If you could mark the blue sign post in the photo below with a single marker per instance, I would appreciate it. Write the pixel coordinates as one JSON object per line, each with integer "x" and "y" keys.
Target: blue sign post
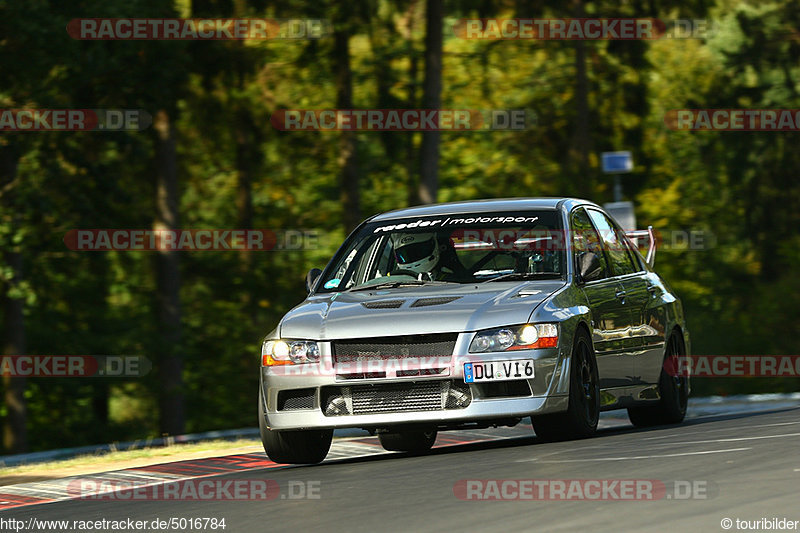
{"x": 617, "y": 163}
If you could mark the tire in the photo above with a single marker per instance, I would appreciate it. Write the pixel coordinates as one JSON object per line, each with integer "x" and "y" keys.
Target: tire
{"x": 674, "y": 391}
{"x": 408, "y": 441}
{"x": 293, "y": 447}
{"x": 581, "y": 417}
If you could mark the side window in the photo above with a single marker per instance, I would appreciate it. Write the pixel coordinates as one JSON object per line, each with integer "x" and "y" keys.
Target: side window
{"x": 585, "y": 238}
{"x": 354, "y": 268}
{"x": 370, "y": 264}
{"x": 638, "y": 260}
{"x": 621, "y": 263}
{"x": 384, "y": 260}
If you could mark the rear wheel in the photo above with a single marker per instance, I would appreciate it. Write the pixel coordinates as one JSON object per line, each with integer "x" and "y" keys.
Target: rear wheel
{"x": 293, "y": 447}
{"x": 673, "y": 389}
{"x": 581, "y": 417}
{"x": 408, "y": 441}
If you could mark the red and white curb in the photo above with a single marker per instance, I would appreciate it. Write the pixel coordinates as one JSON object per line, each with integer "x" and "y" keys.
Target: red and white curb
{"x": 56, "y": 490}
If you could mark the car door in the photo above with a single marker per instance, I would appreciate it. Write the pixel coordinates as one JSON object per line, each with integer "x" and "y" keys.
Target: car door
{"x": 630, "y": 293}
{"x": 610, "y": 316}
{"x": 645, "y": 293}
{"x": 649, "y": 307}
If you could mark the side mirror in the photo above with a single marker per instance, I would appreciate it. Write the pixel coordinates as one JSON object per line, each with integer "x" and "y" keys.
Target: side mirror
{"x": 589, "y": 267}
{"x": 311, "y": 278}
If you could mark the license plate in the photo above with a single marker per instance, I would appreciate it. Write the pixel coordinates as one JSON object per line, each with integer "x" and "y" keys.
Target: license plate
{"x": 498, "y": 370}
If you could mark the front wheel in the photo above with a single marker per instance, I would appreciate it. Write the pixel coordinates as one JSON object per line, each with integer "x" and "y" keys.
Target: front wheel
{"x": 581, "y": 417}
{"x": 408, "y": 441}
{"x": 673, "y": 389}
{"x": 296, "y": 446}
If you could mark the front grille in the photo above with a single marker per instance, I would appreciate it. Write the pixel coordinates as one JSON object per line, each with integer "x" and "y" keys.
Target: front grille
{"x": 395, "y": 398}
{"x": 400, "y": 347}
{"x": 290, "y": 400}
{"x": 361, "y": 375}
{"x": 421, "y": 372}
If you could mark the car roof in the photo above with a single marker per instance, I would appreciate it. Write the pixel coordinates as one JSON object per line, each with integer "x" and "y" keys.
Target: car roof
{"x": 483, "y": 206}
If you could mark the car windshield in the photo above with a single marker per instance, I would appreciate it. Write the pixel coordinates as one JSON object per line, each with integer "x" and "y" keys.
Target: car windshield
{"x": 468, "y": 248}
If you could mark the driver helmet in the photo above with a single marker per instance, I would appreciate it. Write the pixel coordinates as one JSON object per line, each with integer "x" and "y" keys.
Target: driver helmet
{"x": 417, "y": 252}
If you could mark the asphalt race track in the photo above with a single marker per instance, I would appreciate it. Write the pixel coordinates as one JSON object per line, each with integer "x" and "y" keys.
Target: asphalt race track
{"x": 740, "y": 465}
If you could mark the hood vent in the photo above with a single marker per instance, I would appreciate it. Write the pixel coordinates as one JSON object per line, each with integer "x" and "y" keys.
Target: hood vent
{"x": 426, "y": 302}
{"x": 383, "y": 304}
{"x": 527, "y": 292}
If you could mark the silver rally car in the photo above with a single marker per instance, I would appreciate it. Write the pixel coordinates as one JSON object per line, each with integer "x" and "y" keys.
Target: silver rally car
{"x": 470, "y": 315}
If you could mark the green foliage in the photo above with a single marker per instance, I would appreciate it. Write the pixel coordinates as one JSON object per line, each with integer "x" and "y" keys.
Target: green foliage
{"x": 740, "y": 296}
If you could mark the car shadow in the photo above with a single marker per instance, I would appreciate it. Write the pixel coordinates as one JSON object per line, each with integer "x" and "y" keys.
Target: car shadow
{"x": 518, "y": 441}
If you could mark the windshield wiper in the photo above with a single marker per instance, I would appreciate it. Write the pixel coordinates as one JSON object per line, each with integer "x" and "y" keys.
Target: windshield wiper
{"x": 525, "y": 275}
{"x": 390, "y": 285}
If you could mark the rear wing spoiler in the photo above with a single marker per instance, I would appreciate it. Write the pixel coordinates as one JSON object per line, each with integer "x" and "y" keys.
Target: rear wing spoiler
{"x": 637, "y": 234}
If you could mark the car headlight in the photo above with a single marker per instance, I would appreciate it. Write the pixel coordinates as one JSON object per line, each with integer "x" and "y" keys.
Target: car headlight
{"x": 287, "y": 352}
{"x": 524, "y": 337}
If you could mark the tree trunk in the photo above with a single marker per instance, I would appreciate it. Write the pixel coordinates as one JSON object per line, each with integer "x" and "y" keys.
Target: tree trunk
{"x": 244, "y": 168}
{"x": 171, "y": 401}
{"x": 244, "y": 133}
{"x": 431, "y": 99}
{"x": 98, "y": 267}
{"x": 411, "y": 153}
{"x": 581, "y": 140}
{"x": 15, "y": 430}
{"x": 348, "y": 148}
{"x": 412, "y": 187}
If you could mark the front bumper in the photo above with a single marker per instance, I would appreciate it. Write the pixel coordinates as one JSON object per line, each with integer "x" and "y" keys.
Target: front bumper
{"x": 298, "y": 396}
